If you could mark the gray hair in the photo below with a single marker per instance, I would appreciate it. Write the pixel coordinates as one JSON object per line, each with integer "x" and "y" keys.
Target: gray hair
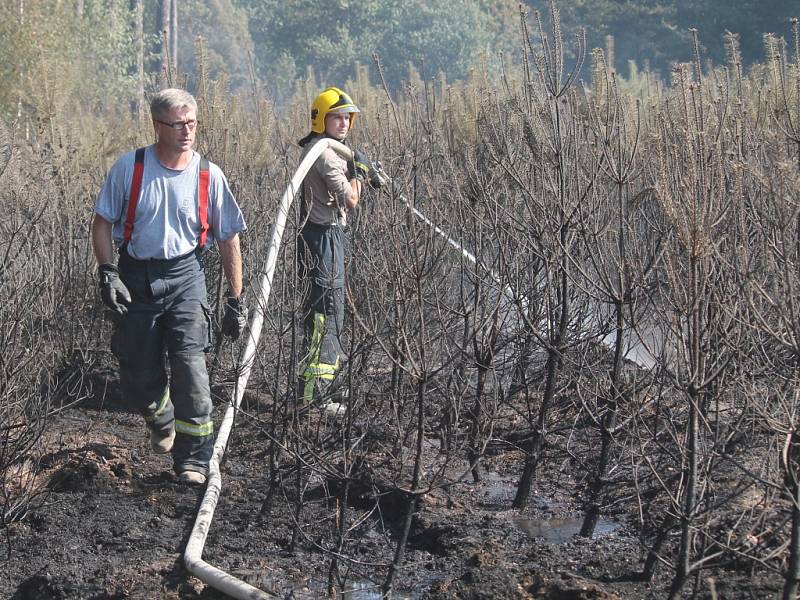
{"x": 165, "y": 100}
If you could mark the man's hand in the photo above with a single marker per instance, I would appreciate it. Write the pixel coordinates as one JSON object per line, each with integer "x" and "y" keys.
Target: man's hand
{"x": 113, "y": 292}
{"x": 234, "y": 320}
{"x": 361, "y": 167}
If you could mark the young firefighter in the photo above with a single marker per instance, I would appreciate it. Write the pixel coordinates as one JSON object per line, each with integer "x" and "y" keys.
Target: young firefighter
{"x": 162, "y": 206}
{"x": 331, "y": 188}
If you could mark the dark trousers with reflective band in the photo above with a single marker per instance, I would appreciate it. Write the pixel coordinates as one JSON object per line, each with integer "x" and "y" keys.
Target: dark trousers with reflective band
{"x": 168, "y": 321}
{"x": 322, "y": 252}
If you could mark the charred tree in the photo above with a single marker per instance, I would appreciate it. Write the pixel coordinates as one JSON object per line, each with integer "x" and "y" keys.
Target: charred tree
{"x": 165, "y": 20}
{"x": 137, "y": 69}
{"x": 555, "y": 241}
{"x": 173, "y": 35}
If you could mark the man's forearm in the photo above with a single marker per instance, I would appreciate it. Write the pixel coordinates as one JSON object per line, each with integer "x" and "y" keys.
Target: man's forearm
{"x": 356, "y": 187}
{"x": 101, "y": 240}
{"x": 232, "y": 264}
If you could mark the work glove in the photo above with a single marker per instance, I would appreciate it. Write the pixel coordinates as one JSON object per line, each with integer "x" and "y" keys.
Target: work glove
{"x": 113, "y": 292}
{"x": 362, "y": 168}
{"x": 234, "y": 320}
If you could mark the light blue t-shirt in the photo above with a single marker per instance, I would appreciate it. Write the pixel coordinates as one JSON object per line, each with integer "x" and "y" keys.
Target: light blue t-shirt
{"x": 167, "y": 222}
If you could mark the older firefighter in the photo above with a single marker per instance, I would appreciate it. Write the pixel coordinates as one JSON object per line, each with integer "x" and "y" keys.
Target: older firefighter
{"x": 162, "y": 206}
{"x": 330, "y": 190}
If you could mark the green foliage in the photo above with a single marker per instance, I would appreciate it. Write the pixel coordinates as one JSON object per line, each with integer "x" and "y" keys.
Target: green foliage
{"x": 228, "y": 49}
{"x": 52, "y": 57}
{"x": 333, "y": 37}
{"x": 656, "y": 33}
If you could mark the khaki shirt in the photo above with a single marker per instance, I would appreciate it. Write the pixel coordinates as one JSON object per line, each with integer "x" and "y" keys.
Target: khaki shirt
{"x": 326, "y": 189}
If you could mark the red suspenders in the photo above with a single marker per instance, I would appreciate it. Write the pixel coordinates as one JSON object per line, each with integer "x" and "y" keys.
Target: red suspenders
{"x": 205, "y": 179}
{"x": 136, "y": 184}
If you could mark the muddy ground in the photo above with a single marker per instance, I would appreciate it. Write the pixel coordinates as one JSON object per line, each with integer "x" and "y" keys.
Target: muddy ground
{"x": 115, "y": 522}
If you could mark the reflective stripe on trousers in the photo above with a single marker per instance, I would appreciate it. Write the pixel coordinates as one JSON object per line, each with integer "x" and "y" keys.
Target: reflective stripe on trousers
{"x": 317, "y": 369}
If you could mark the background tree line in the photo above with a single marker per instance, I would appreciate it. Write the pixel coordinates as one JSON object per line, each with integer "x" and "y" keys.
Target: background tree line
{"x": 101, "y": 52}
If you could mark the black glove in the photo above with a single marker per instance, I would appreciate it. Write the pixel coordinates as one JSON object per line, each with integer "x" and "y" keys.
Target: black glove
{"x": 361, "y": 165}
{"x": 113, "y": 292}
{"x": 362, "y": 168}
{"x": 234, "y": 320}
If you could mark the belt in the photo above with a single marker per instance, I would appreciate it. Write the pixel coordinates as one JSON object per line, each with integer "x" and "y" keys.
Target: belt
{"x": 196, "y": 252}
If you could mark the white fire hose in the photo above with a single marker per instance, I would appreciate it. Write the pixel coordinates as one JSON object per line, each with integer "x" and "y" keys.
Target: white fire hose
{"x": 216, "y": 578}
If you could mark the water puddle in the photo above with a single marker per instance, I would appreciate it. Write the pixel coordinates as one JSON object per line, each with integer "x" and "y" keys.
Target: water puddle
{"x": 560, "y": 531}
{"x": 357, "y": 589}
{"x": 367, "y": 590}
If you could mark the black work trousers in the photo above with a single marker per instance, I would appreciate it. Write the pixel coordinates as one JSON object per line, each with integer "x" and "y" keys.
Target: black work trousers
{"x": 322, "y": 253}
{"x": 168, "y": 321}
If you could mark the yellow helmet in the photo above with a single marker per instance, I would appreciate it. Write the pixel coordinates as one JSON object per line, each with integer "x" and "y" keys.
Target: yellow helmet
{"x": 332, "y": 100}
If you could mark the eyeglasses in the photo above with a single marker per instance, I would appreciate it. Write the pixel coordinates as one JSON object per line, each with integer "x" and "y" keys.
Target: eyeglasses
{"x": 178, "y": 125}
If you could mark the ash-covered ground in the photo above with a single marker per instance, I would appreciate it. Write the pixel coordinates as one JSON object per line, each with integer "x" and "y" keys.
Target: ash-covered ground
{"x": 114, "y": 524}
